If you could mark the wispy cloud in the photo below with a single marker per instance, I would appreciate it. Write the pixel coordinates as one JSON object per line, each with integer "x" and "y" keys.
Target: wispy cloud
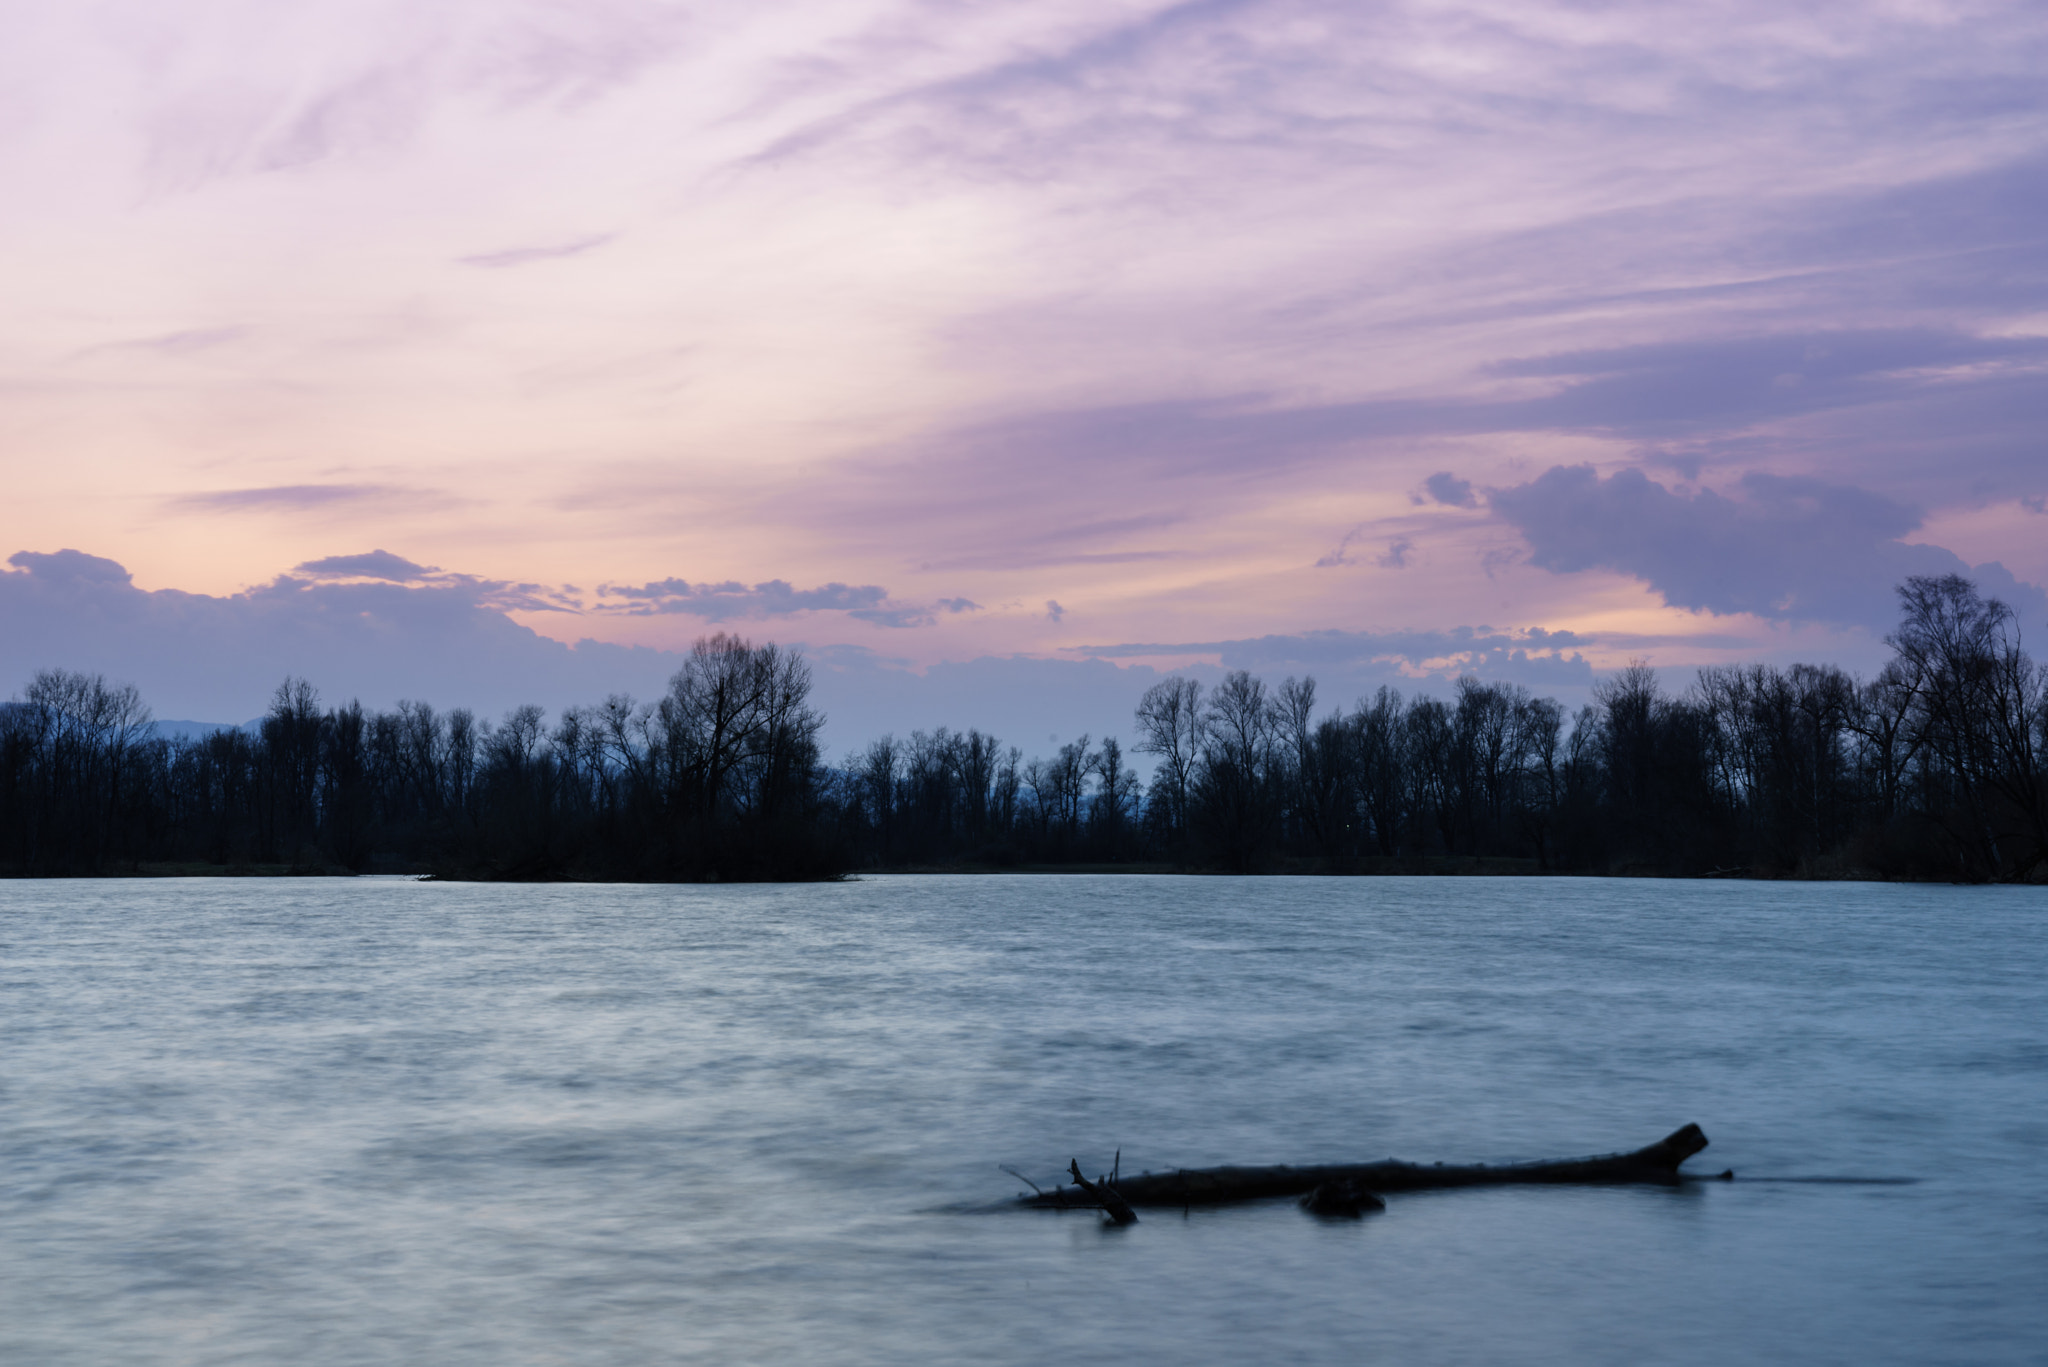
{"x": 1533, "y": 654}
{"x": 1342, "y": 554}
{"x": 526, "y": 256}
{"x": 1394, "y": 557}
{"x": 186, "y": 342}
{"x": 342, "y": 83}
{"x": 383, "y": 567}
{"x": 773, "y": 598}
{"x": 369, "y": 565}
{"x": 297, "y": 497}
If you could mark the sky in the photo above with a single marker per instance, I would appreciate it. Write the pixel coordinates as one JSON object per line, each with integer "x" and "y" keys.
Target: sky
{"x": 1007, "y": 358}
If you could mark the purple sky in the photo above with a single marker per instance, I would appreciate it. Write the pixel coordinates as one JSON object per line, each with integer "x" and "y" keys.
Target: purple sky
{"x": 1007, "y": 356}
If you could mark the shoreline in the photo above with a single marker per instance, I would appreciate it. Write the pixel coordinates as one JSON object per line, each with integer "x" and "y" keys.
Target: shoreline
{"x": 1403, "y": 866}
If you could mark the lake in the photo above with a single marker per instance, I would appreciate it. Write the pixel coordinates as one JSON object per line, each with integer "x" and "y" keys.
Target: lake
{"x": 372, "y": 1121}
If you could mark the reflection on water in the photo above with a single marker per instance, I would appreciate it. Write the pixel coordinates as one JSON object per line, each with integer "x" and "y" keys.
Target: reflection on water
{"x": 371, "y": 1121}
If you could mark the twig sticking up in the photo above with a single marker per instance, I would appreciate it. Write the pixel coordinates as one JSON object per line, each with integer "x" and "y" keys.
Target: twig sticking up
{"x": 1022, "y": 1178}
{"x": 1114, "y": 1206}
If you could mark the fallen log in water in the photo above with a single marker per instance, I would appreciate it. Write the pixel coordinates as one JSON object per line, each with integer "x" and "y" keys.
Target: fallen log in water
{"x": 1657, "y": 1163}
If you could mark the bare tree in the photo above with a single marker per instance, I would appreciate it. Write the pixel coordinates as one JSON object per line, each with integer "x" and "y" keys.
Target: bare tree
{"x": 1170, "y": 726}
{"x": 1977, "y": 713}
{"x": 1117, "y": 793}
{"x": 85, "y": 732}
{"x": 1236, "y": 787}
{"x": 1377, "y": 758}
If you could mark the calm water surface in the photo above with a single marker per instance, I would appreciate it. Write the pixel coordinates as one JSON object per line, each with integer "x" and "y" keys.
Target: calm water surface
{"x": 376, "y": 1121}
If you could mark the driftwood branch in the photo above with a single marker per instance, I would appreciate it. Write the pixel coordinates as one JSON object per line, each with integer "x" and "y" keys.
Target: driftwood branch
{"x": 1022, "y": 1178}
{"x": 1656, "y": 1163}
{"x": 1101, "y": 1195}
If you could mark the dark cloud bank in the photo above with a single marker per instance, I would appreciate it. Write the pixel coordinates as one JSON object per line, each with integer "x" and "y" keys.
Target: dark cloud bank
{"x": 1789, "y": 549}
{"x": 379, "y": 627}
{"x": 373, "y": 626}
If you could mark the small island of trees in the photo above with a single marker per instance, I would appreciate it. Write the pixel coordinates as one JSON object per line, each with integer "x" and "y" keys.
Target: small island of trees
{"x": 1930, "y": 770}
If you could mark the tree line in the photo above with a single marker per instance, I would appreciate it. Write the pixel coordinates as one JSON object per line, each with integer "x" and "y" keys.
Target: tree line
{"x": 1931, "y": 769}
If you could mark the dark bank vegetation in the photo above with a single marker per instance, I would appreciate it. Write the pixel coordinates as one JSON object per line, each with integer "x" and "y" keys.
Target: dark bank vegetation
{"x": 720, "y": 778}
{"x": 1932, "y": 769}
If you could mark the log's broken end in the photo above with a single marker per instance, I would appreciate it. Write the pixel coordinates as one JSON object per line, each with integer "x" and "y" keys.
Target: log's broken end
{"x": 1676, "y": 1147}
